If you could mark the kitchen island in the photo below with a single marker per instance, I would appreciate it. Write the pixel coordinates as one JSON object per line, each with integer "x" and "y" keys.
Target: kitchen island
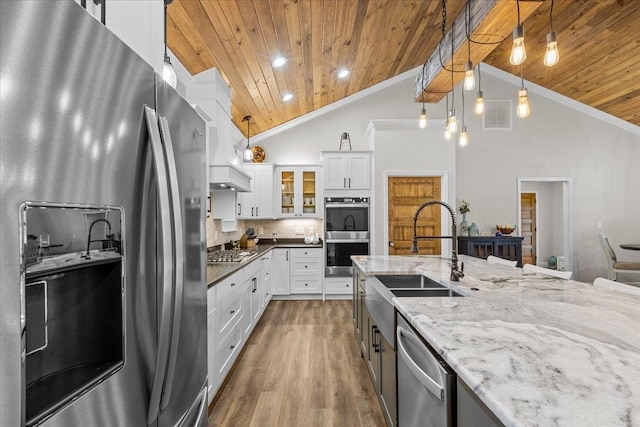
{"x": 535, "y": 349}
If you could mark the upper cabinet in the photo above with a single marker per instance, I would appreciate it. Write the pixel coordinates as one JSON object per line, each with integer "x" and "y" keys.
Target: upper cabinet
{"x": 347, "y": 170}
{"x": 258, "y": 202}
{"x": 299, "y": 194}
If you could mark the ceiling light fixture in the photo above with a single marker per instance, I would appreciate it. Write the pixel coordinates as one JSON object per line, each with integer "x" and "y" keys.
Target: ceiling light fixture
{"x": 518, "y": 51}
{"x": 279, "y": 61}
{"x": 523, "y": 110}
{"x": 447, "y": 132}
{"x": 469, "y": 79}
{"x": 343, "y": 73}
{"x": 453, "y": 122}
{"x": 168, "y": 73}
{"x": 551, "y": 56}
{"x": 464, "y": 137}
{"x": 479, "y": 108}
{"x": 287, "y": 97}
{"x": 422, "y": 123}
{"x": 248, "y": 152}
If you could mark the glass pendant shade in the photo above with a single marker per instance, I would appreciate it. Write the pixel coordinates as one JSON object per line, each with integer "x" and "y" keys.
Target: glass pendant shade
{"x": 423, "y": 119}
{"x": 248, "y": 154}
{"x": 479, "y": 107}
{"x": 551, "y": 56}
{"x": 523, "y": 110}
{"x": 453, "y": 122}
{"x": 464, "y": 137}
{"x": 469, "y": 78}
{"x": 169, "y": 74}
{"x": 518, "y": 51}
{"x": 447, "y": 134}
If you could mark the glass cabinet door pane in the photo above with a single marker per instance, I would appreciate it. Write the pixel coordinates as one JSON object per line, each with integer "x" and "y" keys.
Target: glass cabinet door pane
{"x": 309, "y": 192}
{"x": 287, "y": 199}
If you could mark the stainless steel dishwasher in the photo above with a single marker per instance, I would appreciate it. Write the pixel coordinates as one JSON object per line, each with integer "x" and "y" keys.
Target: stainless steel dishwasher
{"x": 426, "y": 384}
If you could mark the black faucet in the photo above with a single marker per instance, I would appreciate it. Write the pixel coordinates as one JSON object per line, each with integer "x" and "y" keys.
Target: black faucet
{"x": 353, "y": 222}
{"x": 456, "y": 273}
{"x": 109, "y": 235}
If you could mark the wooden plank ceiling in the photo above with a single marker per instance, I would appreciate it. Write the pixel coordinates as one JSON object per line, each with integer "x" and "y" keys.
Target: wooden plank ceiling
{"x": 599, "y": 46}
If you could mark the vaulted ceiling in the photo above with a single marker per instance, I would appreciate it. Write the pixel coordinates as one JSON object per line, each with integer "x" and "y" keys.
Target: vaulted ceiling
{"x": 599, "y": 45}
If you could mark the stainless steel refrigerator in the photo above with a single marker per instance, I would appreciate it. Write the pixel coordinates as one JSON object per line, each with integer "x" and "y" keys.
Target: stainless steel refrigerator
{"x": 103, "y": 240}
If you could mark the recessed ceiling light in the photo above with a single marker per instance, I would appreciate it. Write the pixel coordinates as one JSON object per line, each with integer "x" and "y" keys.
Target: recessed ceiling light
{"x": 343, "y": 73}
{"x": 279, "y": 61}
{"x": 287, "y": 97}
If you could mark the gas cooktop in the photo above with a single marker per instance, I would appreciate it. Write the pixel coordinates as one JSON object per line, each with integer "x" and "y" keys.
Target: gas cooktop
{"x": 230, "y": 255}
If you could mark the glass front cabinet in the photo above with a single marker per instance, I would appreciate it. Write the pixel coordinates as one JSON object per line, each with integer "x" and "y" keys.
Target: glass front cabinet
{"x": 299, "y": 194}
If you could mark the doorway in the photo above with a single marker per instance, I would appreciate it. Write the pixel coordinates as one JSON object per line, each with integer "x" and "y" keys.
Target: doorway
{"x": 528, "y": 228}
{"x": 553, "y": 213}
{"x": 404, "y": 195}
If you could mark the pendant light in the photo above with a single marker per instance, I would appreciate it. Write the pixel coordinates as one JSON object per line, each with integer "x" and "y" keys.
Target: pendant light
{"x": 168, "y": 73}
{"x": 464, "y": 137}
{"x": 469, "y": 79}
{"x": 447, "y": 132}
{"x": 479, "y": 107}
{"x": 552, "y": 55}
{"x": 518, "y": 51}
{"x": 453, "y": 122}
{"x": 248, "y": 152}
{"x": 523, "y": 110}
{"x": 422, "y": 122}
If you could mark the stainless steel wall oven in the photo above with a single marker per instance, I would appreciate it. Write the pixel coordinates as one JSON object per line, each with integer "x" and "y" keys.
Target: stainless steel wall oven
{"x": 346, "y": 233}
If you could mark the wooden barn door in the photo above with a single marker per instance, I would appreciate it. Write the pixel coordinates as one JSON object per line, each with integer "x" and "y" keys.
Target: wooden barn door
{"x": 528, "y": 231}
{"x": 406, "y": 194}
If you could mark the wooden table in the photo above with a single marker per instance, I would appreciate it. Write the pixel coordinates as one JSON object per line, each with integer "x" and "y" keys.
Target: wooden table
{"x": 630, "y": 246}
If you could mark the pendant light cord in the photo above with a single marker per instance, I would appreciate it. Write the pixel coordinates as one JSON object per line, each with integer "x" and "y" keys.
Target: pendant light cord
{"x": 518, "y": 8}
{"x": 165, "y": 32}
{"x": 551, "y": 16}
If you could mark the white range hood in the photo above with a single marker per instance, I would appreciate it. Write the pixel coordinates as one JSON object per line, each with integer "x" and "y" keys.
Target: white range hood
{"x": 228, "y": 177}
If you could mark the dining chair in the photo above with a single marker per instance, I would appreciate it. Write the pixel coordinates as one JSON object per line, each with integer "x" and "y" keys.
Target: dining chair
{"x": 614, "y": 266}
{"x": 529, "y": 268}
{"x": 603, "y": 283}
{"x": 495, "y": 260}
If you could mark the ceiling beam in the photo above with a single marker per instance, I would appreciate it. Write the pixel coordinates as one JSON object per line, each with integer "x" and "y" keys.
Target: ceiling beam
{"x": 491, "y": 22}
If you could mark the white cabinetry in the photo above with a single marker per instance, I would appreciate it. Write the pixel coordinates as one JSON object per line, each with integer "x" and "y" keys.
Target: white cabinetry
{"x": 306, "y": 271}
{"x": 257, "y": 203}
{"x": 280, "y": 278}
{"x": 338, "y": 286}
{"x": 299, "y": 194}
{"x": 265, "y": 278}
{"x": 347, "y": 171}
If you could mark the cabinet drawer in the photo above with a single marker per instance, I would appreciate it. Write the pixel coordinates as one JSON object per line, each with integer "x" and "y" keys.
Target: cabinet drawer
{"x": 299, "y": 253}
{"x": 338, "y": 286}
{"x": 227, "y": 352}
{"x": 227, "y": 315}
{"x": 310, "y": 266}
{"x": 251, "y": 269}
{"x": 228, "y": 286}
{"x": 306, "y": 285}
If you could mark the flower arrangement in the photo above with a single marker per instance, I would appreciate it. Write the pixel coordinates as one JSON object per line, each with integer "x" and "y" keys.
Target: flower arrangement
{"x": 464, "y": 207}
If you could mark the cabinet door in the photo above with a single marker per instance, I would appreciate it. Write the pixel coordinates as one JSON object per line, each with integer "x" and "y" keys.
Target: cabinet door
{"x": 263, "y": 191}
{"x": 211, "y": 351}
{"x": 309, "y": 200}
{"x": 265, "y": 278}
{"x": 246, "y": 199}
{"x": 359, "y": 176}
{"x": 334, "y": 171}
{"x": 287, "y": 181}
{"x": 280, "y": 272}
{"x": 388, "y": 380}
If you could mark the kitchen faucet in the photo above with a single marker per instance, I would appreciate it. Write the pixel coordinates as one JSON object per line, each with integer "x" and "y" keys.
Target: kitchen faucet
{"x": 109, "y": 235}
{"x": 456, "y": 273}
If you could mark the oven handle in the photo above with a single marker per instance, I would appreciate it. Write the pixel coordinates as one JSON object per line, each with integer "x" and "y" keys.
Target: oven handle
{"x": 346, "y": 205}
{"x": 347, "y": 241}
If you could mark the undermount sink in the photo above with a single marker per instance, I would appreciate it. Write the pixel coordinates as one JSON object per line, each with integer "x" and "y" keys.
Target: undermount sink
{"x": 422, "y": 293}
{"x": 409, "y": 281}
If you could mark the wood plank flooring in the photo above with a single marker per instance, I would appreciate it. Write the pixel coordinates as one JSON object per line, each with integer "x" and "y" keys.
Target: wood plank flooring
{"x": 301, "y": 367}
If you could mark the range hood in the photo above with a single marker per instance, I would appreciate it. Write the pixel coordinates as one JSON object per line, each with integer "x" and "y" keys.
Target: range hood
{"x": 228, "y": 177}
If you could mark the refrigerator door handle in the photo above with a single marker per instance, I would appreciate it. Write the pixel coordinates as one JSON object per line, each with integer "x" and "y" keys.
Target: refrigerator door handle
{"x": 178, "y": 259}
{"x": 166, "y": 250}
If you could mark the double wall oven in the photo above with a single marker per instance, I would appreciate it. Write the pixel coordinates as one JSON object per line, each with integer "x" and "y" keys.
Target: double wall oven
{"x": 346, "y": 233}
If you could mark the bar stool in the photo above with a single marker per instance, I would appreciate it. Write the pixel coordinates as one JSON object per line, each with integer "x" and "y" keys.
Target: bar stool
{"x": 529, "y": 268}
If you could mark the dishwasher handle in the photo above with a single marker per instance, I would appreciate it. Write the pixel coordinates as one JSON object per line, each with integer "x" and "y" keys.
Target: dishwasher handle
{"x": 429, "y": 383}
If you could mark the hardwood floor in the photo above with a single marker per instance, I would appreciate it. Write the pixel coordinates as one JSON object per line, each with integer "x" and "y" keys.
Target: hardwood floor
{"x": 301, "y": 367}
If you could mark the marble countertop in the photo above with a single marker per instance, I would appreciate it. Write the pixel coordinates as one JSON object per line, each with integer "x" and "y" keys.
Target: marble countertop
{"x": 218, "y": 271}
{"x": 537, "y": 350}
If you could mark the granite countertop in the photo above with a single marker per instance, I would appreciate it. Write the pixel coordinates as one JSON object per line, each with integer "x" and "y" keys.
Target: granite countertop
{"x": 218, "y": 271}
{"x": 537, "y": 350}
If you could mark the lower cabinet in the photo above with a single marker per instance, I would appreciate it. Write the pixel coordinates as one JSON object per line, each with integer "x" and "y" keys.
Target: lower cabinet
{"x": 234, "y": 306}
{"x": 338, "y": 285}
{"x": 296, "y": 271}
{"x": 280, "y": 272}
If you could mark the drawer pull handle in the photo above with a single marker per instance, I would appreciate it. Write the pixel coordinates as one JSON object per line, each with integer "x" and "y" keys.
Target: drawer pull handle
{"x": 232, "y": 311}
{"x": 306, "y": 266}
{"x": 232, "y": 346}
{"x": 306, "y": 284}
{"x": 233, "y": 284}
